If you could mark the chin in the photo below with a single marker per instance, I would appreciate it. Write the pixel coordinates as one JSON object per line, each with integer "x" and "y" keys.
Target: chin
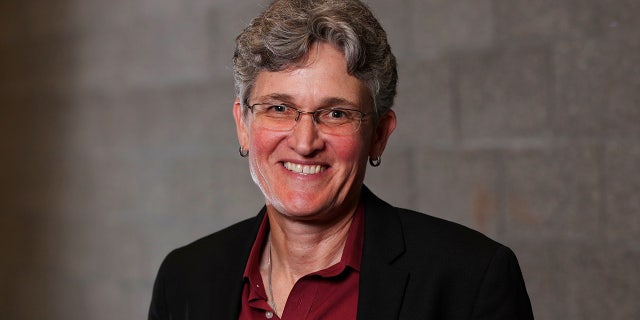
{"x": 300, "y": 208}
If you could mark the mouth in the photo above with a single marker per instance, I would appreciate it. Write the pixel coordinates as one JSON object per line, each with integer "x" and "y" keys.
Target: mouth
{"x": 303, "y": 169}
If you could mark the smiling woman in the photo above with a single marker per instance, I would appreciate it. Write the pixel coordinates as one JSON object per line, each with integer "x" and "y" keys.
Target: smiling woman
{"x": 320, "y": 83}
{"x": 315, "y": 82}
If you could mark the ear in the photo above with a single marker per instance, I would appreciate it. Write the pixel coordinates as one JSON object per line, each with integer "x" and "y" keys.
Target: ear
{"x": 386, "y": 125}
{"x": 241, "y": 125}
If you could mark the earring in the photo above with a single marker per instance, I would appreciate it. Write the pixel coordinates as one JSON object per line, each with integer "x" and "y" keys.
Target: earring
{"x": 243, "y": 153}
{"x": 375, "y": 162}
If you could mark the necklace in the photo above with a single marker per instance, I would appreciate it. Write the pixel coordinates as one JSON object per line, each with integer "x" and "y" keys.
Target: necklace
{"x": 272, "y": 301}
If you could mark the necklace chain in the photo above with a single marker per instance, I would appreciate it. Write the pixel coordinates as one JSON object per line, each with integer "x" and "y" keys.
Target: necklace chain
{"x": 272, "y": 301}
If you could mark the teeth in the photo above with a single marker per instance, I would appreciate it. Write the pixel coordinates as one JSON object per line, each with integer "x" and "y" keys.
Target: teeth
{"x": 303, "y": 169}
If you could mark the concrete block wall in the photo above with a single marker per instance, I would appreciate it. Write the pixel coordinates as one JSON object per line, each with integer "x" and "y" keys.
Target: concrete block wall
{"x": 517, "y": 118}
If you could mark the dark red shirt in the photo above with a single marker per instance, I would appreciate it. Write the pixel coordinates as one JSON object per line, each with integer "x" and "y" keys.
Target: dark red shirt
{"x": 331, "y": 293}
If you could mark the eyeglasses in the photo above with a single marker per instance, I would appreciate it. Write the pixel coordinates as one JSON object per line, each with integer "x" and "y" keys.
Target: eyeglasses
{"x": 280, "y": 117}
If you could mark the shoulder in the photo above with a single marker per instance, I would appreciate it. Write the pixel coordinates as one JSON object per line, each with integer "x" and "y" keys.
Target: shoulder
{"x": 425, "y": 241}
{"x": 426, "y": 229}
{"x": 472, "y": 273}
{"x": 227, "y": 244}
{"x": 420, "y": 233}
{"x": 437, "y": 242}
{"x": 460, "y": 268}
{"x": 206, "y": 270}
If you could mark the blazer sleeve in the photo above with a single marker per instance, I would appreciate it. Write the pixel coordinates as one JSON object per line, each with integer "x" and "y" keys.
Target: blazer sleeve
{"x": 502, "y": 294}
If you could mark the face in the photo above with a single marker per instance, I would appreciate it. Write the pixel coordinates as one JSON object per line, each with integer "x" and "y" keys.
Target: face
{"x": 304, "y": 173}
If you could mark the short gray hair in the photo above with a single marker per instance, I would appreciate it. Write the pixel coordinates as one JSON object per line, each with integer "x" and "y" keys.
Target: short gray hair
{"x": 284, "y": 33}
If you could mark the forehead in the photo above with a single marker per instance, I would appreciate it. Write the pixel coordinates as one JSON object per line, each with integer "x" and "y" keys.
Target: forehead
{"x": 321, "y": 76}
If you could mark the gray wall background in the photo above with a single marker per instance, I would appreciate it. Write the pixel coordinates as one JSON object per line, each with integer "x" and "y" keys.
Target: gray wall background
{"x": 518, "y": 118}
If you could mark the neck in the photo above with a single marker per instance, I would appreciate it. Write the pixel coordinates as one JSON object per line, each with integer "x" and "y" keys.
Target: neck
{"x": 299, "y": 248}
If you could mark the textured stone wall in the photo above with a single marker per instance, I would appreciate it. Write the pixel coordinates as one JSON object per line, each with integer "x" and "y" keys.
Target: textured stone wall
{"x": 520, "y": 119}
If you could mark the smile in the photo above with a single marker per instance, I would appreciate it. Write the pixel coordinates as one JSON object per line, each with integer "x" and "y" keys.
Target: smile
{"x": 304, "y": 169}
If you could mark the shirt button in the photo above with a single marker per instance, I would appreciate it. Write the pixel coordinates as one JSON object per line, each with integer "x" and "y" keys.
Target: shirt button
{"x": 268, "y": 314}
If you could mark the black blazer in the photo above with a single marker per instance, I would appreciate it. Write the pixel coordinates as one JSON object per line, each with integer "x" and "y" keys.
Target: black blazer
{"x": 414, "y": 266}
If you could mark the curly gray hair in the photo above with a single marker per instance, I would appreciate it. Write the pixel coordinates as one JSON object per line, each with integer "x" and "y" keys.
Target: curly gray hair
{"x": 284, "y": 33}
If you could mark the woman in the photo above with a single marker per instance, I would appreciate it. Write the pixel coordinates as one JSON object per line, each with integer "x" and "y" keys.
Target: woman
{"x": 315, "y": 81}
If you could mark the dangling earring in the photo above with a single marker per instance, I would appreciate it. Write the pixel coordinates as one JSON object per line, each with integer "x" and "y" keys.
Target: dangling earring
{"x": 375, "y": 162}
{"x": 243, "y": 153}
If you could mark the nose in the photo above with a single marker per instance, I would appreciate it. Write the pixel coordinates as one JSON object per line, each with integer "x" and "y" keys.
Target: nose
{"x": 304, "y": 137}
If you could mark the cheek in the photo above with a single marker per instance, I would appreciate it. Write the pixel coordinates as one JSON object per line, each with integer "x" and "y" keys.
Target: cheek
{"x": 352, "y": 151}
{"x": 262, "y": 143}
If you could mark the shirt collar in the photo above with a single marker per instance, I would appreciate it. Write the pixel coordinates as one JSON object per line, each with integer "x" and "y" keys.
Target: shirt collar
{"x": 351, "y": 255}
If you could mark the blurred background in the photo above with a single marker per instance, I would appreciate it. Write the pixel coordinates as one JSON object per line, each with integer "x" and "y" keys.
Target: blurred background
{"x": 518, "y": 118}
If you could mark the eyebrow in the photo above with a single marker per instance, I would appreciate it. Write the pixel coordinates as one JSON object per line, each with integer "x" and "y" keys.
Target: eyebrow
{"x": 326, "y": 102}
{"x": 276, "y": 96}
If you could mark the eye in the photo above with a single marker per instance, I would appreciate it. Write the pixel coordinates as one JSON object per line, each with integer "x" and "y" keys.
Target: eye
{"x": 278, "y": 108}
{"x": 337, "y": 114}
{"x": 279, "y": 111}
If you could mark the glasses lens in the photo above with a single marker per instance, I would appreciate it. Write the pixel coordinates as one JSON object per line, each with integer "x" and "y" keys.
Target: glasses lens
{"x": 338, "y": 121}
{"x": 275, "y": 117}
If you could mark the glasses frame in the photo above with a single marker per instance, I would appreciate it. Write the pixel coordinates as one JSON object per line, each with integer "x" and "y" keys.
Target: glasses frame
{"x": 314, "y": 114}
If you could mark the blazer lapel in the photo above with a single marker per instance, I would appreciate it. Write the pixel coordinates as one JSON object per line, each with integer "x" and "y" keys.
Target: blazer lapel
{"x": 227, "y": 293}
{"x": 382, "y": 285}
